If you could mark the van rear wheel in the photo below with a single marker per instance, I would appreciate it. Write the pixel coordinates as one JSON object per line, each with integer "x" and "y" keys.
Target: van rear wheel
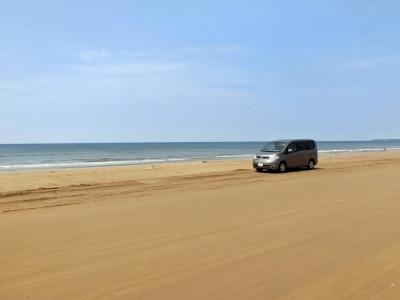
{"x": 310, "y": 164}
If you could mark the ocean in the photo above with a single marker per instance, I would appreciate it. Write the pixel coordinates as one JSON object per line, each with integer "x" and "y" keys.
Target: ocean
{"x": 55, "y": 156}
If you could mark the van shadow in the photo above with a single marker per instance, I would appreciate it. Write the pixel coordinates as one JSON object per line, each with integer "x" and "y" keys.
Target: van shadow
{"x": 292, "y": 170}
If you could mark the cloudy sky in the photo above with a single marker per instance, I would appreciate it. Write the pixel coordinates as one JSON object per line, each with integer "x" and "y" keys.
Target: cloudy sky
{"x": 137, "y": 71}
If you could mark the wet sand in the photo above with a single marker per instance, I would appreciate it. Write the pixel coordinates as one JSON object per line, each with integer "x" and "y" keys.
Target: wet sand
{"x": 215, "y": 230}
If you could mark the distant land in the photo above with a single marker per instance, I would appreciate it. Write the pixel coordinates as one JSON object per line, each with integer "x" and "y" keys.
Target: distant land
{"x": 386, "y": 140}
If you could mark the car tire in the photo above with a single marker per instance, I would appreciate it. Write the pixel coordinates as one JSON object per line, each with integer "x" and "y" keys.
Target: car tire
{"x": 310, "y": 164}
{"x": 259, "y": 170}
{"x": 282, "y": 167}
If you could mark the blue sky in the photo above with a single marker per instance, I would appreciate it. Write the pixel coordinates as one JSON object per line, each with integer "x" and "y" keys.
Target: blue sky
{"x": 133, "y": 71}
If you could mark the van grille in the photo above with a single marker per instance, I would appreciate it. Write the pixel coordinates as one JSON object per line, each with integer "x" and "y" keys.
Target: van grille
{"x": 262, "y": 157}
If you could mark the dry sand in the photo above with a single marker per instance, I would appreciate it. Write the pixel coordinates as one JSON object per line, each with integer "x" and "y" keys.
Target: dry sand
{"x": 214, "y": 230}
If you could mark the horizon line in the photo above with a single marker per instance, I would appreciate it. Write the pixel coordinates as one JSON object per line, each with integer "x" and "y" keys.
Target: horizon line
{"x": 177, "y": 142}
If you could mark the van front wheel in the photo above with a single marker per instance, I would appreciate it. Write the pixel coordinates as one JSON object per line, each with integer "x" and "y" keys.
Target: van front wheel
{"x": 282, "y": 167}
{"x": 310, "y": 164}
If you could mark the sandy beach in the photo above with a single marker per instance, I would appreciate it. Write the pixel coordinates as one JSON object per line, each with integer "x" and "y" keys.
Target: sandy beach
{"x": 203, "y": 230}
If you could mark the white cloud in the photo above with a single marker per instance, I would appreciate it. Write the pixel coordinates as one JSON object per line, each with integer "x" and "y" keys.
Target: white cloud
{"x": 9, "y": 85}
{"x": 131, "y": 68}
{"x": 204, "y": 67}
{"x": 104, "y": 76}
{"x": 109, "y": 55}
{"x": 372, "y": 62}
{"x": 96, "y": 55}
{"x": 210, "y": 50}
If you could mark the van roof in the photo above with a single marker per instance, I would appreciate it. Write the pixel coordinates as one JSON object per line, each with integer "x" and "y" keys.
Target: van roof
{"x": 294, "y": 140}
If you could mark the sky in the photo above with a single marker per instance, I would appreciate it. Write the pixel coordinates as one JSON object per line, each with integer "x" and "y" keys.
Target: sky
{"x": 148, "y": 71}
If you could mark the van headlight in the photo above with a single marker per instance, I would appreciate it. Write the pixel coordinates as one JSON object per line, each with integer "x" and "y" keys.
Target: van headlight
{"x": 274, "y": 157}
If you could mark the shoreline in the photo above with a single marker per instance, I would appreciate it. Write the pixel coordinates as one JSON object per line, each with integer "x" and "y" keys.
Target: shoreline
{"x": 178, "y": 160}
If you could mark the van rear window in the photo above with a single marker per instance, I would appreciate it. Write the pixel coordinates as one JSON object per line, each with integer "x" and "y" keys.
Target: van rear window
{"x": 310, "y": 145}
{"x": 305, "y": 145}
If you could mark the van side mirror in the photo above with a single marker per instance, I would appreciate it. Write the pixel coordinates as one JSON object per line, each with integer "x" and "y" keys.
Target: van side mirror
{"x": 290, "y": 150}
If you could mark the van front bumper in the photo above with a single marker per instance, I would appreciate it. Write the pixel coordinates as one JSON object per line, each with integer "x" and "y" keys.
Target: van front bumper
{"x": 263, "y": 164}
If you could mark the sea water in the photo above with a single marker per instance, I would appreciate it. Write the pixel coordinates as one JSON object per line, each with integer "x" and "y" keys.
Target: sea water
{"x": 55, "y": 156}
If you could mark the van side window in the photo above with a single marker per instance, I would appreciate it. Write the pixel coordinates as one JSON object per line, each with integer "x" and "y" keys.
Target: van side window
{"x": 301, "y": 146}
{"x": 292, "y": 146}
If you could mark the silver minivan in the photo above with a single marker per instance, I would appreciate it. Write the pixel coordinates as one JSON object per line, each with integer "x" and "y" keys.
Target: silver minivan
{"x": 284, "y": 154}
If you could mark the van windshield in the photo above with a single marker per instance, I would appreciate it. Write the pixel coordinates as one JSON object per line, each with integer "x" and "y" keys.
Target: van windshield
{"x": 273, "y": 147}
